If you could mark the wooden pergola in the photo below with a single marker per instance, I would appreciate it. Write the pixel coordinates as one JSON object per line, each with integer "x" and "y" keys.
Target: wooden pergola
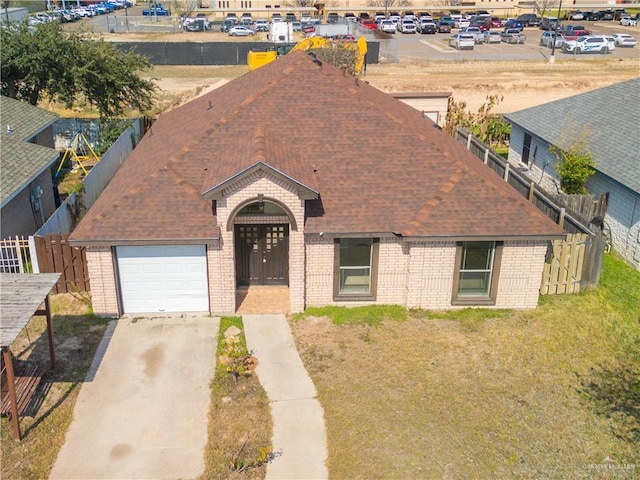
{"x": 20, "y": 298}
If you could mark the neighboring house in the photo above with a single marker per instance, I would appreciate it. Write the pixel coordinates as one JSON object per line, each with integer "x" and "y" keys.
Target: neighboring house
{"x": 609, "y": 120}
{"x": 432, "y": 104}
{"x": 298, "y": 174}
{"x": 26, "y": 158}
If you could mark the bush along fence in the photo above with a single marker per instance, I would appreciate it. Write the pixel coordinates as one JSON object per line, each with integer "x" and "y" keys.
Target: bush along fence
{"x": 572, "y": 264}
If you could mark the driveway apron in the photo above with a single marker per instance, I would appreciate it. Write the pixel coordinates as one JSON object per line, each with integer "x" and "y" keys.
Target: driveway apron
{"x": 142, "y": 411}
{"x": 298, "y": 419}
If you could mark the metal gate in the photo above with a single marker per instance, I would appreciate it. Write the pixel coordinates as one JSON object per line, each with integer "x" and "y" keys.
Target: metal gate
{"x": 262, "y": 254}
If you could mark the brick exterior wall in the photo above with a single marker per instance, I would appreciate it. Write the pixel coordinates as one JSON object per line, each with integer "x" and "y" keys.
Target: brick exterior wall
{"x": 520, "y": 274}
{"x": 411, "y": 274}
{"x": 240, "y": 192}
{"x": 421, "y": 274}
{"x": 104, "y": 296}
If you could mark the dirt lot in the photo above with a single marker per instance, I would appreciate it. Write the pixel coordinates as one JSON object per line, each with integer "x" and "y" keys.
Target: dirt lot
{"x": 522, "y": 84}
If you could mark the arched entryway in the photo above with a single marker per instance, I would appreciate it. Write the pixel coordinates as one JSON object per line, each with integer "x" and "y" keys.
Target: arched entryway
{"x": 261, "y": 243}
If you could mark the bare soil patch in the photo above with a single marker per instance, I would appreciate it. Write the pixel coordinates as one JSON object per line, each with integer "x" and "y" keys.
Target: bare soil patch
{"x": 520, "y": 84}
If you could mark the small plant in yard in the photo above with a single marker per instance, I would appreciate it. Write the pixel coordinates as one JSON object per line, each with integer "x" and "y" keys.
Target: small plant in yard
{"x": 236, "y": 359}
{"x": 575, "y": 164}
{"x": 240, "y": 423}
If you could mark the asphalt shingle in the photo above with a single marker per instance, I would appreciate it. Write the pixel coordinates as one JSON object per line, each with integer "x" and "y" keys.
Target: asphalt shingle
{"x": 20, "y": 161}
{"x": 378, "y": 164}
{"x": 609, "y": 118}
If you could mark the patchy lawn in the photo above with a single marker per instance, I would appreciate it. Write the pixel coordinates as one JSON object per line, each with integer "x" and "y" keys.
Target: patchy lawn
{"x": 240, "y": 422}
{"x": 77, "y": 334}
{"x": 550, "y": 393}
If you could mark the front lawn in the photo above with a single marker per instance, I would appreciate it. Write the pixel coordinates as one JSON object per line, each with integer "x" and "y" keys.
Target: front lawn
{"x": 550, "y": 393}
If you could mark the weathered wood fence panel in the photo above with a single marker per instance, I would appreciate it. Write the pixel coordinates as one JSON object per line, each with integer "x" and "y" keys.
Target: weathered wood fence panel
{"x": 573, "y": 264}
{"x": 55, "y": 255}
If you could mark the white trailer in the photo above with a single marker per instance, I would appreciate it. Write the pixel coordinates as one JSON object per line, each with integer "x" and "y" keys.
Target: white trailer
{"x": 281, "y": 32}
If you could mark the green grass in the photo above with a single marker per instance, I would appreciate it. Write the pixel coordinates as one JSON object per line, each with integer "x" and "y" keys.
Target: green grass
{"x": 370, "y": 315}
{"x": 240, "y": 422}
{"x": 548, "y": 393}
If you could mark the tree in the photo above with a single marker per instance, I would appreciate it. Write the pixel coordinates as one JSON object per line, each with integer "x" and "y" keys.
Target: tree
{"x": 575, "y": 165}
{"x": 484, "y": 125}
{"x": 542, "y": 6}
{"x": 48, "y": 62}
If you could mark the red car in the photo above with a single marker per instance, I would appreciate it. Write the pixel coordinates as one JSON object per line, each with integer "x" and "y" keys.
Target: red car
{"x": 370, "y": 24}
{"x": 496, "y": 22}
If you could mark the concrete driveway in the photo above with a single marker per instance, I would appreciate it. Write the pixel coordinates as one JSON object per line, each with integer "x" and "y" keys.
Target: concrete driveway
{"x": 142, "y": 412}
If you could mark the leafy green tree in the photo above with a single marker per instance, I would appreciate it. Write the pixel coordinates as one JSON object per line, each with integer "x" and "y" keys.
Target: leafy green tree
{"x": 575, "y": 165}
{"x": 48, "y": 62}
{"x": 487, "y": 127}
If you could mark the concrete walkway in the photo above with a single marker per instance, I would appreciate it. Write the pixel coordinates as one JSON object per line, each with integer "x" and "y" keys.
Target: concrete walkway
{"x": 142, "y": 411}
{"x": 298, "y": 418}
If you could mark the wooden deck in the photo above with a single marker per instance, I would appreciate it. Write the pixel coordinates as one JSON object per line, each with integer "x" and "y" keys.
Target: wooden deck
{"x": 27, "y": 378}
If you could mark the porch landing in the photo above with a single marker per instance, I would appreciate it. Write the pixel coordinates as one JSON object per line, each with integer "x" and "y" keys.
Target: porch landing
{"x": 260, "y": 299}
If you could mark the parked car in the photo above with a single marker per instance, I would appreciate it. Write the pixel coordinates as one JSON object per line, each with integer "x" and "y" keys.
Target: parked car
{"x": 589, "y": 44}
{"x": 461, "y": 41}
{"x": 226, "y": 25}
{"x": 514, "y": 25}
{"x": 478, "y": 36}
{"x": 623, "y": 40}
{"x": 547, "y": 39}
{"x": 529, "y": 19}
{"x": 297, "y": 26}
{"x": 387, "y": 26}
{"x": 261, "y": 25}
{"x": 241, "y": 31}
{"x": 447, "y": 19}
{"x": 496, "y": 22}
{"x": 196, "y": 24}
{"x": 369, "y": 24}
{"x": 571, "y": 32}
{"x": 443, "y": 27}
{"x": 461, "y": 23}
{"x": 427, "y": 27}
{"x": 407, "y": 26}
{"x": 512, "y": 35}
{"x": 575, "y": 16}
{"x": 605, "y": 14}
{"x": 628, "y": 21}
{"x": 492, "y": 36}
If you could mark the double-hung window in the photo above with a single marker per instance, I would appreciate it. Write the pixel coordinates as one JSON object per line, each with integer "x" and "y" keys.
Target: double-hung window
{"x": 355, "y": 268}
{"x": 477, "y": 269}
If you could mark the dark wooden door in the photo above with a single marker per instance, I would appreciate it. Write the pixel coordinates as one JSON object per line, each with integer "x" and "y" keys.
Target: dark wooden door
{"x": 262, "y": 254}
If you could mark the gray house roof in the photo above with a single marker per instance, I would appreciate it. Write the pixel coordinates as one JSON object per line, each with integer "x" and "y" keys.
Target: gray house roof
{"x": 20, "y": 161}
{"x": 610, "y": 117}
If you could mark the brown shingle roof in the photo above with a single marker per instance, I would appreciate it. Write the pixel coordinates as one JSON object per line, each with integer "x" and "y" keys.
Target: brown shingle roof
{"x": 378, "y": 164}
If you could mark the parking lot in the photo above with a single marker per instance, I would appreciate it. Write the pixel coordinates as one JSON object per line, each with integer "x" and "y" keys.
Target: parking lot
{"x": 436, "y": 47}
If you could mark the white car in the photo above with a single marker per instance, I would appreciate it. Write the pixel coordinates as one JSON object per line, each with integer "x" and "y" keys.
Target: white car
{"x": 628, "y": 21}
{"x": 407, "y": 26}
{"x": 387, "y": 26}
{"x": 241, "y": 31}
{"x": 623, "y": 40}
{"x": 546, "y": 39}
{"x": 476, "y": 32}
{"x": 590, "y": 44}
{"x": 462, "y": 40}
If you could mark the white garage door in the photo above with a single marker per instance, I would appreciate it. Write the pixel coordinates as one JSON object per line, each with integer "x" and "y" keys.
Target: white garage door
{"x": 163, "y": 278}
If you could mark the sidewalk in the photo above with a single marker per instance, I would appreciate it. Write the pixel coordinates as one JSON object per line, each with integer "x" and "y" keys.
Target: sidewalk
{"x": 298, "y": 418}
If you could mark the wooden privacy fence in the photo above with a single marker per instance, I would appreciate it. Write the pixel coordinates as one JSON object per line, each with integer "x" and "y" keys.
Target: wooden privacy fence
{"x": 573, "y": 264}
{"x": 55, "y": 255}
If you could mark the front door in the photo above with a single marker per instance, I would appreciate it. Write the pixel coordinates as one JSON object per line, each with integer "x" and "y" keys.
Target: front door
{"x": 262, "y": 254}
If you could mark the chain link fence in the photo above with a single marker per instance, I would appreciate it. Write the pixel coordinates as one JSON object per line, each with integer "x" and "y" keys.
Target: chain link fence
{"x": 123, "y": 23}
